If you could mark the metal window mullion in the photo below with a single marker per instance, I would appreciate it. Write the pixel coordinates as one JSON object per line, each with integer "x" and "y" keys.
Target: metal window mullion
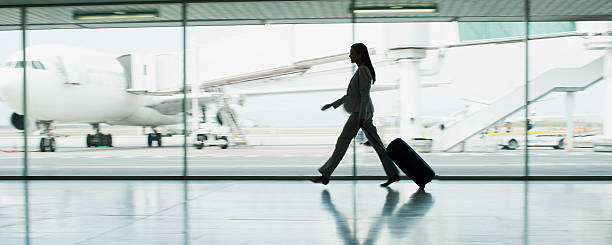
{"x": 353, "y": 20}
{"x": 26, "y": 209}
{"x": 25, "y": 94}
{"x": 185, "y": 212}
{"x": 353, "y": 41}
{"x": 184, "y": 24}
{"x": 526, "y": 88}
{"x": 526, "y": 213}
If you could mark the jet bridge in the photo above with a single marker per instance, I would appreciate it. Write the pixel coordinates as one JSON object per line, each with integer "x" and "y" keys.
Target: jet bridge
{"x": 554, "y": 80}
{"x": 157, "y": 74}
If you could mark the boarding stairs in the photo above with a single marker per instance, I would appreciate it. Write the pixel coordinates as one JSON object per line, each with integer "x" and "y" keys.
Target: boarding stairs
{"x": 554, "y": 80}
{"x": 229, "y": 116}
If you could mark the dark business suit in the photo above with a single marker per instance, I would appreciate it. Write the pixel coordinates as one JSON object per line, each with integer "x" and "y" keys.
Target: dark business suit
{"x": 357, "y": 102}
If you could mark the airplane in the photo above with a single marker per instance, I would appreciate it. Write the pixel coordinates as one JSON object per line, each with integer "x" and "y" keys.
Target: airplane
{"x": 75, "y": 85}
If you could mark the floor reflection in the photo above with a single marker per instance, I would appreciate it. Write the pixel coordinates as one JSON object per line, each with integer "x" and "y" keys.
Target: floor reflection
{"x": 185, "y": 213}
{"x": 26, "y": 208}
{"x": 281, "y": 212}
{"x": 399, "y": 221}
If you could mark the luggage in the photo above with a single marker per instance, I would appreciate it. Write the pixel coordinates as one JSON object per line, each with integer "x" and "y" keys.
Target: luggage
{"x": 409, "y": 162}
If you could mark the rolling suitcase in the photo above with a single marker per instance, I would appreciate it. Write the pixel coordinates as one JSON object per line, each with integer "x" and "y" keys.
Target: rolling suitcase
{"x": 409, "y": 161}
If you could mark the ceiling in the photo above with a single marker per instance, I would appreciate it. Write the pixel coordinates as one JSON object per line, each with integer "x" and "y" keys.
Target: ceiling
{"x": 58, "y": 14}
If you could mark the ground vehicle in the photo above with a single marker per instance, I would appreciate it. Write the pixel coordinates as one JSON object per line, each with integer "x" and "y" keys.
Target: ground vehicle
{"x": 513, "y": 142}
{"x": 211, "y": 135}
{"x": 542, "y": 132}
{"x": 513, "y": 136}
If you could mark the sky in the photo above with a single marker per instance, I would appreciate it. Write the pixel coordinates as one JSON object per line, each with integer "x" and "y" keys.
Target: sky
{"x": 482, "y": 73}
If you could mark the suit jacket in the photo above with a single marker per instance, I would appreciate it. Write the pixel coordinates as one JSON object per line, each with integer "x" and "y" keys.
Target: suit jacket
{"x": 357, "y": 98}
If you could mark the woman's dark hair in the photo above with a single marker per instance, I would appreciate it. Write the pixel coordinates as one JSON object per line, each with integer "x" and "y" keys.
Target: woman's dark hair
{"x": 362, "y": 51}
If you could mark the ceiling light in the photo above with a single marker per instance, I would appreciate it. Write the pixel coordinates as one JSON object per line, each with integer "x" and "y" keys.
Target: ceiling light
{"x": 396, "y": 9}
{"x": 114, "y": 15}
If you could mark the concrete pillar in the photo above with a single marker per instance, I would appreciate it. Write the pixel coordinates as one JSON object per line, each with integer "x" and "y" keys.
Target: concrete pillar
{"x": 410, "y": 99}
{"x": 406, "y": 42}
{"x": 569, "y": 110}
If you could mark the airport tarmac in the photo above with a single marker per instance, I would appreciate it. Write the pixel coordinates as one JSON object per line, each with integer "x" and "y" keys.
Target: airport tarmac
{"x": 133, "y": 158}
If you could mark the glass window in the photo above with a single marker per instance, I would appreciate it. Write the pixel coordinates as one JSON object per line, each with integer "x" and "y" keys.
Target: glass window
{"x": 11, "y": 117}
{"x": 444, "y": 98}
{"x": 445, "y": 84}
{"x": 568, "y": 108}
{"x": 99, "y": 125}
{"x": 267, "y": 119}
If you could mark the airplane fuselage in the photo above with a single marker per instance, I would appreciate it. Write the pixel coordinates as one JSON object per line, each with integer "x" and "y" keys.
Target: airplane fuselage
{"x": 72, "y": 85}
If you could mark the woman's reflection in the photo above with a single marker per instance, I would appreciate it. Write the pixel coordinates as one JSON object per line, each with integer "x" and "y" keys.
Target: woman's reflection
{"x": 399, "y": 222}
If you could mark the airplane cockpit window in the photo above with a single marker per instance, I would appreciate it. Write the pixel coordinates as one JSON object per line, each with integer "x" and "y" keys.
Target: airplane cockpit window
{"x": 37, "y": 65}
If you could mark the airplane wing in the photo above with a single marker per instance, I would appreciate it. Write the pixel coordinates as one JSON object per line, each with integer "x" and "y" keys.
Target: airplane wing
{"x": 173, "y": 104}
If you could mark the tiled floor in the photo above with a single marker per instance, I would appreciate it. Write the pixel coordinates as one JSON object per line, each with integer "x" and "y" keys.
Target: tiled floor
{"x": 299, "y": 212}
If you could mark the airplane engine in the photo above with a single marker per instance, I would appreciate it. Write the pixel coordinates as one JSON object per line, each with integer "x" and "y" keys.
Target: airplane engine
{"x": 17, "y": 121}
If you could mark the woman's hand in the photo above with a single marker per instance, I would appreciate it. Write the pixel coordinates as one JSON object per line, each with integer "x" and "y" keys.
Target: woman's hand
{"x": 325, "y": 107}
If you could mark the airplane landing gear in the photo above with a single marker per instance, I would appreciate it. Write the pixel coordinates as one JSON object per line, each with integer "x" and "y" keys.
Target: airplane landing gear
{"x": 46, "y": 143}
{"x": 154, "y": 137}
{"x": 99, "y": 139}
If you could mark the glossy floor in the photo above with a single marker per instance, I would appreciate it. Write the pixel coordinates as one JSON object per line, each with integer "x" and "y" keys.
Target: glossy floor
{"x": 299, "y": 212}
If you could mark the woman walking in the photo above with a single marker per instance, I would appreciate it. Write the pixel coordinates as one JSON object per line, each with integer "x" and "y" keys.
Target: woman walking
{"x": 357, "y": 102}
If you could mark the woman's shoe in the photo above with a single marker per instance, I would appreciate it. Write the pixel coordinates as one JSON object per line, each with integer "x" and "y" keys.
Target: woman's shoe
{"x": 321, "y": 180}
{"x": 390, "y": 180}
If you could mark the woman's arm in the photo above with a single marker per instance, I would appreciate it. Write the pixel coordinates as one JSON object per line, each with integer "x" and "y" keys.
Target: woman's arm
{"x": 365, "y": 79}
{"x": 339, "y": 102}
{"x": 335, "y": 104}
